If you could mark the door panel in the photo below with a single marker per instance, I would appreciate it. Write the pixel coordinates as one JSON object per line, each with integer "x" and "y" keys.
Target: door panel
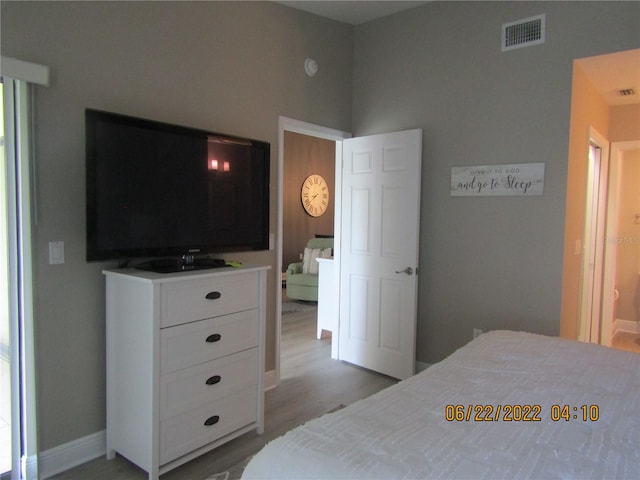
{"x": 390, "y": 306}
{"x": 361, "y": 202}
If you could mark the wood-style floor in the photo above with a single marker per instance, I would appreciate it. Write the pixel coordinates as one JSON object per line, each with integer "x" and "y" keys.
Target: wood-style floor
{"x": 311, "y": 384}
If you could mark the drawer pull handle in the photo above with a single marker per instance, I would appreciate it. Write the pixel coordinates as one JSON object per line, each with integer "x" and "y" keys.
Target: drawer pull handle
{"x": 213, "y": 295}
{"x": 212, "y": 420}
{"x": 213, "y": 380}
{"x": 214, "y": 338}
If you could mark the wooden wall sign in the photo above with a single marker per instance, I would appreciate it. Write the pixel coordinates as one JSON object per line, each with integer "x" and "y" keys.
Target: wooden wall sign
{"x": 520, "y": 179}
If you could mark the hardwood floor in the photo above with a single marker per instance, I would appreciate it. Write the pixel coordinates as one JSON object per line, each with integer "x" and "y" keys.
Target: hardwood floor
{"x": 311, "y": 384}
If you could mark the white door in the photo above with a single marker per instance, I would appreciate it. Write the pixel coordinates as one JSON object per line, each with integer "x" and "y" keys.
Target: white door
{"x": 380, "y": 225}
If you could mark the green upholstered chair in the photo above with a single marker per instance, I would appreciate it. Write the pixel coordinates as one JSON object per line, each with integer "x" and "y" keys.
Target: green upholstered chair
{"x": 302, "y": 277}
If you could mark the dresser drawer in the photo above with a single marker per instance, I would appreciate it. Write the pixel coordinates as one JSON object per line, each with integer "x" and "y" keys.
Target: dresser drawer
{"x": 185, "y": 432}
{"x": 189, "y": 300}
{"x": 188, "y": 389}
{"x": 198, "y": 342}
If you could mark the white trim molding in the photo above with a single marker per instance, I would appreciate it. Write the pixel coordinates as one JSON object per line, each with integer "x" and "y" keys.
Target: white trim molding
{"x": 625, "y": 326}
{"x": 68, "y": 455}
{"x": 286, "y": 124}
{"x": 30, "y": 466}
{"x": 22, "y": 70}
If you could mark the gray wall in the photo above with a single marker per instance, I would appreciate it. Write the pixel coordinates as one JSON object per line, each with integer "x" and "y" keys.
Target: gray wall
{"x": 227, "y": 67}
{"x": 490, "y": 262}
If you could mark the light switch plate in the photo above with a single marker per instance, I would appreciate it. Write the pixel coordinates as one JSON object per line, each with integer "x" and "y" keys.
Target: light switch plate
{"x": 56, "y": 253}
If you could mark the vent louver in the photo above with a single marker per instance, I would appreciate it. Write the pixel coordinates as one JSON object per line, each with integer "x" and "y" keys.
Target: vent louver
{"x": 625, "y": 92}
{"x": 523, "y": 33}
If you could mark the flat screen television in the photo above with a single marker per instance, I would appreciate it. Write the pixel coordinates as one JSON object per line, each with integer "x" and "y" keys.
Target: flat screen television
{"x": 172, "y": 194}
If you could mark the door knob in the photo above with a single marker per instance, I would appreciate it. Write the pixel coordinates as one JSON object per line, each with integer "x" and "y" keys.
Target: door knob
{"x": 408, "y": 271}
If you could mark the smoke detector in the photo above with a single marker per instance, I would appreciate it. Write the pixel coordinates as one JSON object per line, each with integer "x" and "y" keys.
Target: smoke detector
{"x": 310, "y": 67}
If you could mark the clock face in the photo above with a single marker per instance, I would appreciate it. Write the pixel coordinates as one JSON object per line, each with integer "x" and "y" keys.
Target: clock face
{"x": 315, "y": 195}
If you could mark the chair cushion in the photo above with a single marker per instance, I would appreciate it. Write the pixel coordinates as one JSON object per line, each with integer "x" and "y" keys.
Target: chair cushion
{"x": 309, "y": 264}
{"x": 320, "y": 243}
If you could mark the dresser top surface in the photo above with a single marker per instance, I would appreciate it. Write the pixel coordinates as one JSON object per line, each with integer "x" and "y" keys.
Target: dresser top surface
{"x": 155, "y": 277}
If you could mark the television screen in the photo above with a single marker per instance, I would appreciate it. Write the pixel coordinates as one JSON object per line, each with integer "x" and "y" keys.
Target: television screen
{"x": 161, "y": 190}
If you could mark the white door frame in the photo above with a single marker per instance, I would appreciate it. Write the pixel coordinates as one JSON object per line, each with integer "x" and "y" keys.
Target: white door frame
{"x": 591, "y": 290}
{"x": 291, "y": 125}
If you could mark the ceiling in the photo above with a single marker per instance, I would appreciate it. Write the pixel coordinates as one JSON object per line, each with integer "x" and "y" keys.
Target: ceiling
{"x": 350, "y": 11}
{"x": 613, "y": 72}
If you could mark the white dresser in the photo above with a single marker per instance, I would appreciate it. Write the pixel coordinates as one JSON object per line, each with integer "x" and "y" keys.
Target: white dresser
{"x": 328, "y": 302}
{"x": 185, "y": 362}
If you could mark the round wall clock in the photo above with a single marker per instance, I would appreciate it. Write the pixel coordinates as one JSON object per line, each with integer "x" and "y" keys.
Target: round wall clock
{"x": 315, "y": 195}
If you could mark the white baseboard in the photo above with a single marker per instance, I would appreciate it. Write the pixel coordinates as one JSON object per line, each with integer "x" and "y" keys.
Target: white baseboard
{"x": 68, "y": 455}
{"x": 420, "y": 366}
{"x": 628, "y": 326}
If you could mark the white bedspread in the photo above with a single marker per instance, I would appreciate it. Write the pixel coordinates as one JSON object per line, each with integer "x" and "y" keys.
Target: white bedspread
{"x": 402, "y": 432}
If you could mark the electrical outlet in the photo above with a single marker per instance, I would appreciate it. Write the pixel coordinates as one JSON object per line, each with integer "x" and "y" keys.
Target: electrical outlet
{"x": 476, "y": 332}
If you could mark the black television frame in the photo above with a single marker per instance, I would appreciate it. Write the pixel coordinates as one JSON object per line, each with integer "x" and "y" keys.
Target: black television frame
{"x": 174, "y": 257}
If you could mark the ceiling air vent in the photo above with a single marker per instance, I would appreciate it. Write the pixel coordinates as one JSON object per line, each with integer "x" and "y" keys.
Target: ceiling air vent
{"x": 523, "y": 33}
{"x": 626, "y": 92}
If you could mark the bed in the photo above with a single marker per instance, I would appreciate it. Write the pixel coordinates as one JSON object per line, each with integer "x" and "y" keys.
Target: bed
{"x": 507, "y": 405}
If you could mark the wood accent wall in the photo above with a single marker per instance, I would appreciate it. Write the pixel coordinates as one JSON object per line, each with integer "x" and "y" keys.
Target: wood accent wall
{"x": 303, "y": 156}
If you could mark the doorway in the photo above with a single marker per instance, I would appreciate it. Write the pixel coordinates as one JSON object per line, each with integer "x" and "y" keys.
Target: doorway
{"x": 595, "y": 104}
{"x": 286, "y": 124}
{"x": 610, "y": 291}
{"x": 610, "y": 296}
{"x": 622, "y": 255}
{"x": 368, "y": 162}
